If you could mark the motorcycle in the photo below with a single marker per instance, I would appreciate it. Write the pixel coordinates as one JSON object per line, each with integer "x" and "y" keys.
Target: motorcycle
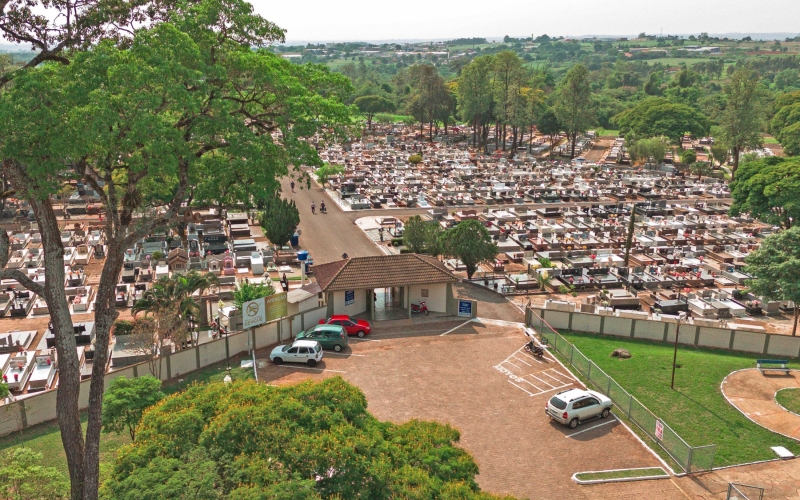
{"x": 420, "y": 308}
{"x": 535, "y": 350}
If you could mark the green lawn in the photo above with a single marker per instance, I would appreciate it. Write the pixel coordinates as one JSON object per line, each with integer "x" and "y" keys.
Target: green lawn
{"x": 789, "y": 399}
{"x": 768, "y": 139}
{"x": 622, "y": 474}
{"x": 46, "y": 438}
{"x": 606, "y": 132}
{"x": 696, "y": 409}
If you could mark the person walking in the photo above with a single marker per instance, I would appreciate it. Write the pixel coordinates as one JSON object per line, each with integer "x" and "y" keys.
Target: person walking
{"x": 313, "y": 207}
{"x": 292, "y": 184}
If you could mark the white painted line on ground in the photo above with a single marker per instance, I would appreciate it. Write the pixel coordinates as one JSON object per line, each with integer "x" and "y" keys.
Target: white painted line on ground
{"x": 591, "y": 428}
{"x": 456, "y": 328}
{"x": 309, "y": 368}
{"x": 522, "y": 361}
{"x": 552, "y": 377}
{"x": 512, "y": 364}
{"x": 343, "y": 354}
{"x": 540, "y": 380}
{"x": 366, "y": 340}
{"x": 518, "y": 387}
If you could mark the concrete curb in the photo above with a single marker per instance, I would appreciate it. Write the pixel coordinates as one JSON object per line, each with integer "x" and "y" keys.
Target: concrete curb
{"x": 781, "y": 406}
{"x": 619, "y": 479}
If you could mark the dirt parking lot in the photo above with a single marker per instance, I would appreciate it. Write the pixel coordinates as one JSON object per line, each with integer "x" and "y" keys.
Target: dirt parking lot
{"x": 476, "y": 377}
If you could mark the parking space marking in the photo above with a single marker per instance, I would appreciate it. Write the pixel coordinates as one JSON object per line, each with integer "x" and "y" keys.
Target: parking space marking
{"x": 309, "y": 368}
{"x": 518, "y": 387}
{"x": 456, "y": 328}
{"x": 344, "y": 354}
{"x": 366, "y": 340}
{"x": 522, "y": 361}
{"x": 591, "y": 428}
{"x": 518, "y": 378}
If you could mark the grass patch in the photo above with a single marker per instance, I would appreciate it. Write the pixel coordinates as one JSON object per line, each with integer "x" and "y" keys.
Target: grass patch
{"x": 46, "y": 438}
{"x": 768, "y": 139}
{"x": 789, "y": 399}
{"x": 602, "y": 132}
{"x": 621, "y": 474}
{"x": 696, "y": 409}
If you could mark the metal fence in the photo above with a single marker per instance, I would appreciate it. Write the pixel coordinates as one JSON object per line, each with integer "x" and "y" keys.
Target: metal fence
{"x": 689, "y": 458}
{"x": 744, "y": 492}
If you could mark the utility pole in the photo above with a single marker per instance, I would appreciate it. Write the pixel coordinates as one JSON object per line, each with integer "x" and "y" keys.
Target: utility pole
{"x": 681, "y": 316}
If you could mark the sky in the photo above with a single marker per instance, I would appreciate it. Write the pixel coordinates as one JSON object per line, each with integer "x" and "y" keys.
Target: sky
{"x": 326, "y": 20}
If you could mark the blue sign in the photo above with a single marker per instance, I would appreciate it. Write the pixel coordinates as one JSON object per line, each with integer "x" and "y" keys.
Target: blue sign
{"x": 349, "y": 297}
{"x": 465, "y": 308}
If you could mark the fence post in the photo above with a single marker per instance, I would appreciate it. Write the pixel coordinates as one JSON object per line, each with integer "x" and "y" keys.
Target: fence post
{"x": 689, "y": 461}
{"x": 571, "y": 353}
{"x": 589, "y": 372}
{"x": 608, "y": 389}
{"x": 630, "y": 404}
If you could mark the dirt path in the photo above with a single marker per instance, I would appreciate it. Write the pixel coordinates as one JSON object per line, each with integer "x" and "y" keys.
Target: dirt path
{"x": 753, "y": 394}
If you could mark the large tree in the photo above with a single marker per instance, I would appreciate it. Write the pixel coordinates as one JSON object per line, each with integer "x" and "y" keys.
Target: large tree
{"x": 309, "y": 441}
{"x": 125, "y": 401}
{"x": 743, "y": 118}
{"x": 655, "y": 117}
{"x": 768, "y": 189}
{"x": 279, "y": 220}
{"x": 185, "y": 111}
{"x": 573, "y": 105}
{"x": 369, "y": 105}
{"x": 776, "y": 267}
{"x": 476, "y": 99}
{"x": 470, "y": 242}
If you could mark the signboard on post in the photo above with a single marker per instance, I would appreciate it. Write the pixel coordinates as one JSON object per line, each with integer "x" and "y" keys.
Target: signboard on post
{"x": 276, "y": 306}
{"x": 659, "y": 430}
{"x": 259, "y": 311}
{"x": 253, "y": 313}
{"x": 465, "y": 308}
{"x": 349, "y": 297}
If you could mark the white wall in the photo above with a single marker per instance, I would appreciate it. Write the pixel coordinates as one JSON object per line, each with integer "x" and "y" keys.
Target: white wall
{"x": 357, "y": 307}
{"x": 436, "y": 299}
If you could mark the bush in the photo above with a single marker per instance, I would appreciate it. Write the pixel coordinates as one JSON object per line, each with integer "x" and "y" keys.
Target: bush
{"x": 157, "y": 255}
{"x": 545, "y": 262}
{"x": 415, "y": 159}
{"x": 396, "y": 242}
{"x": 123, "y": 327}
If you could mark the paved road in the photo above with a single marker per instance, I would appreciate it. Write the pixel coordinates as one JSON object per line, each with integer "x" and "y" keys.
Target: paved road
{"x": 327, "y": 236}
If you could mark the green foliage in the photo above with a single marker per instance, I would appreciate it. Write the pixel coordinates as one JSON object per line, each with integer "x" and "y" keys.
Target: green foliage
{"x": 652, "y": 150}
{"x": 656, "y": 117}
{"x": 372, "y": 104}
{"x": 700, "y": 168}
{"x": 688, "y": 156}
{"x": 126, "y": 399}
{"x": 768, "y": 190}
{"x": 776, "y": 267}
{"x": 470, "y": 242}
{"x": 573, "y": 105}
{"x": 719, "y": 152}
{"x": 123, "y": 327}
{"x": 279, "y": 220}
{"x": 415, "y": 159}
{"x": 327, "y": 170}
{"x": 414, "y": 234}
{"x": 789, "y": 398}
{"x": 311, "y": 440}
{"x": 545, "y": 262}
{"x": 22, "y": 477}
{"x": 743, "y": 119}
{"x": 247, "y": 291}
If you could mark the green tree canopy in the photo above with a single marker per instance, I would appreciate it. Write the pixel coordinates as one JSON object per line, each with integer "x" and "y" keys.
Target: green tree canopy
{"x": 279, "y": 220}
{"x": 655, "y": 116}
{"x": 652, "y": 150}
{"x": 23, "y": 477}
{"x": 776, "y": 267}
{"x": 688, "y": 156}
{"x": 414, "y": 234}
{"x": 125, "y": 401}
{"x": 369, "y": 105}
{"x": 768, "y": 189}
{"x": 743, "y": 118}
{"x": 247, "y": 291}
{"x": 311, "y": 440}
{"x": 327, "y": 170}
{"x": 470, "y": 242}
{"x": 574, "y": 104}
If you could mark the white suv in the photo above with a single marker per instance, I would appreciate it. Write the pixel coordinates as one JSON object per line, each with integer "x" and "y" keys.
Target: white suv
{"x": 576, "y": 406}
{"x": 301, "y": 351}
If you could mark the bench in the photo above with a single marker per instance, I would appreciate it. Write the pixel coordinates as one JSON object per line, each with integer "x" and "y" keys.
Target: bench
{"x": 778, "y": 365}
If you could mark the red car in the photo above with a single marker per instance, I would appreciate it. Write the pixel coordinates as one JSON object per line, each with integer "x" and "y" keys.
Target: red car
{"x": 351, "y": 326}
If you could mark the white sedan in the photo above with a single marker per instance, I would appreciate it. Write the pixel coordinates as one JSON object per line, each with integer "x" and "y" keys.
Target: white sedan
{"x": 301, "y": 351}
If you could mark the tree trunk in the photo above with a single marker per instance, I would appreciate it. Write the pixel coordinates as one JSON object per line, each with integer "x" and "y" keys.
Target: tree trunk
{"x": 574, "y": 143}
{"x": 794, "y": 326}
{"x": 104, "y": 314}
{"x": 735, "y": 162}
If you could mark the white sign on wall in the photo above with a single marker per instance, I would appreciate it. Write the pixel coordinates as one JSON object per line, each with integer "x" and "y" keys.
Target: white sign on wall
{"x": 254, "y": 313}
